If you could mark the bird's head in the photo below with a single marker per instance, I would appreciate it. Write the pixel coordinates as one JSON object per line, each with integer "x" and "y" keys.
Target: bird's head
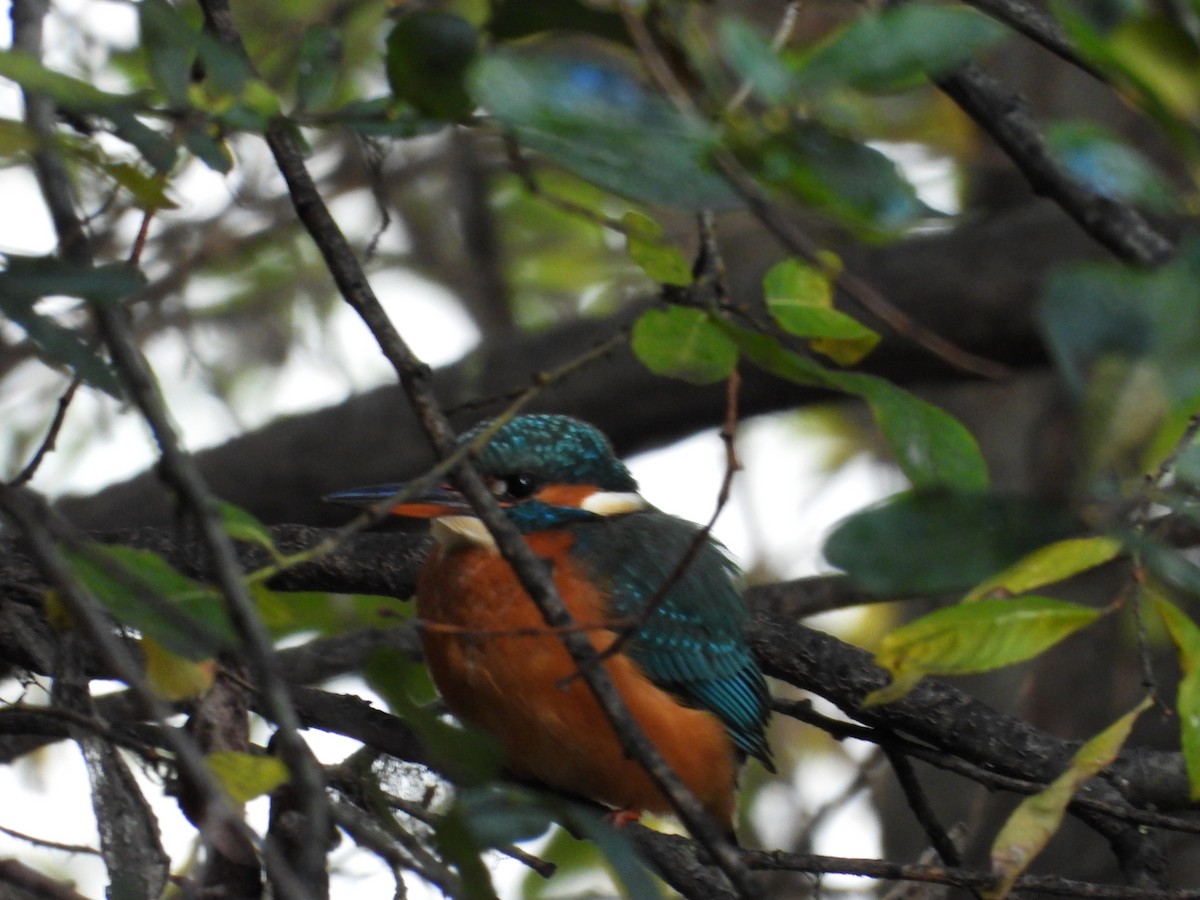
{"x": 544, "y": 470}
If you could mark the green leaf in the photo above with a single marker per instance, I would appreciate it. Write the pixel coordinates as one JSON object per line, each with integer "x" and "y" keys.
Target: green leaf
{"x": 662, "y": 261}
{"x": 64, "y": 346}
{"x": 1127, "y": 341}
{"x": 890, "y": 49}
{"x": 142, "y": 590}
{"x": 939, "y": 542}
{"x": 1109, "y": 49}
{"x": 975, "y": 637}
{"x": 571, "y": 858}
{"x": 483, "y": 818}
{"x": 468, "y": 757}
{"x": 800, "y": 299}
{"x": 618, "y": 850}
{"x": 1093, "y": 311}
{"x": 838, "y": 175}
{"x": 585, "y": 842}
{"x": 27, "y": 279}
{"x": 756, "y": 62}
{"x": 317, "y": 67}
{"x": 292, "y": 612}
{"x": 149, "y": 191}
{"x": 246, "y": 775}
{"x": 1162, "y": 60}
{"x": 171, "y": 44}
{"x": 1185, "y": 634}
{"x": 1047, "y": 565}
{"x": 155, "y": 148}
{"x": 202, "y": 140}
{"x": 513, "y": 19}
{"x": 428, "y": 55}
{"x": 459, "y": 847}
{"x": 1174, "y": 568}
{"x": 932, "y": 448}
{"x": 597, "y": 120}
{"x": 16, "y": 138}
{"x": 501, "y": 814}
{"x": 243, "y": 526}
{"x": 66, "y": 92}
{"x": 1187, "y": 466}
{"x": 1108, "y": 166}
{"x": 382, "y": 117}
{"x": 1039, "y": 816}
{"x": 685, "y": 343}
{"x": 793, "y": 287}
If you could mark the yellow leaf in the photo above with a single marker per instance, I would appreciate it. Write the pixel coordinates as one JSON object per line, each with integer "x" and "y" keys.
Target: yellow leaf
{"x": 1038, "y": 817}
{"x": 57, "y": 612}
{"x": 175, "y": 677}
{"x": 245, "y": 775}
{"x": 1185, "y": 634}
{"x": 975, "y": 637}
{"x": 1047, "y": 565}
{"x": 899, "y": 687}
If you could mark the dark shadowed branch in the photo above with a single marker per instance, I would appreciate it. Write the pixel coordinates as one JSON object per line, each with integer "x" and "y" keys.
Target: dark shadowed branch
{"x": 937, "y": 723}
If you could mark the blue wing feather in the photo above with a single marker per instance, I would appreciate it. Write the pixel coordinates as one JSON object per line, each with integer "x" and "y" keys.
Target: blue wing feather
{"x": 693, "y": 643}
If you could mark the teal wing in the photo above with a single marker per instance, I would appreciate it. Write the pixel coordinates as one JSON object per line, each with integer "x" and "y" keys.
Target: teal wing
{"x": 693, "y": 643}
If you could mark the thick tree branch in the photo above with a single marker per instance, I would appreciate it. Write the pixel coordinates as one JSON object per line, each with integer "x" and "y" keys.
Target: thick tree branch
{"x": 993, "y": 267}
{"x": 936, "y": 714}
{"x": 991, "y": 746}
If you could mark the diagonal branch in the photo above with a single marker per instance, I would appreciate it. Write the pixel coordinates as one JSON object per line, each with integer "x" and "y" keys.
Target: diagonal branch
{"x": 1007, "y": 118}
{"x": 414, "y": 377}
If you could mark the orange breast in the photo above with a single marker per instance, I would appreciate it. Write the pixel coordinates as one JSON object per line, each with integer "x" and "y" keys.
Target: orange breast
{"x": 512, "y": 686}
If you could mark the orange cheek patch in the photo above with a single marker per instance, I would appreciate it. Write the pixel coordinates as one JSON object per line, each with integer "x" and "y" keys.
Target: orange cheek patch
{"x": 565, "y": 494}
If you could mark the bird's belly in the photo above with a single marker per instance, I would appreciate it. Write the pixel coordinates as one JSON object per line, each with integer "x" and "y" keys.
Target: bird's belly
{"x": 500, "y": 669}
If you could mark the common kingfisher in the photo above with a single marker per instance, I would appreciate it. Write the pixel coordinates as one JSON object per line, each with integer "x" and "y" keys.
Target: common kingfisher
{"x": 685, "y": 672}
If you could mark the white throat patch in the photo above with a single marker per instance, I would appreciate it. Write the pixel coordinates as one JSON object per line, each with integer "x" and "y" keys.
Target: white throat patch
{"x": 460, "y": 532}
{"x": 613, "y": 503}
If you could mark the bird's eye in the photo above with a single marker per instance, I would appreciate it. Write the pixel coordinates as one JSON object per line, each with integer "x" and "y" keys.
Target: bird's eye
{"x": 520, "y": 486}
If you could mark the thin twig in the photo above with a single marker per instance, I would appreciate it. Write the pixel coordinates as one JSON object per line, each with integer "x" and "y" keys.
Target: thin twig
{"x": 783, "y": 33}
{"x": 976, "y": 879}
{"x": 988, "y": 777}
{"x": 41, "y": 529}
{"x": 919, "y": 803}
{"x": 375, "y": 836}
{"x": 139, "y": 242}
{"x": 821, "y": 816}
{"x": 49, "y": 845}
{"x": 732, "y": 466}
{"x": 542, "y": 867}
{"x": 789, "y": 234}
{"x": 74, "y": 245}
{"x": 51, "y": 438}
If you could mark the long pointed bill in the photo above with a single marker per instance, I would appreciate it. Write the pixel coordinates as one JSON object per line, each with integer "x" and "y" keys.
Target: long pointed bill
{"x": 435, "y": 502}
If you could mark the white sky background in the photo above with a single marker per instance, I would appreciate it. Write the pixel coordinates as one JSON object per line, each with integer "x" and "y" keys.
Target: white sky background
{"x": 47, "y": 794}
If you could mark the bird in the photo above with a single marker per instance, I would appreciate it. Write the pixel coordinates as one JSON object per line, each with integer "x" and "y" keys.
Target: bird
{"x": 685, "y": 670}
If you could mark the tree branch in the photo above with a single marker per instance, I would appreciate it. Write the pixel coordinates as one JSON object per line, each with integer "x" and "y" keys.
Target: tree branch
{"x": 1006, "y": 117}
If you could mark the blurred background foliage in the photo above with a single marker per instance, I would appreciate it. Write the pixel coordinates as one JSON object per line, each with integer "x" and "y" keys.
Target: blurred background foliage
{"x": 512, "y": 169}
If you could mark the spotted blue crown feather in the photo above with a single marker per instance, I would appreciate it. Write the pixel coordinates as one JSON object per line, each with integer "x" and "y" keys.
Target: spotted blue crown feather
{"x": 555, "y": 449}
